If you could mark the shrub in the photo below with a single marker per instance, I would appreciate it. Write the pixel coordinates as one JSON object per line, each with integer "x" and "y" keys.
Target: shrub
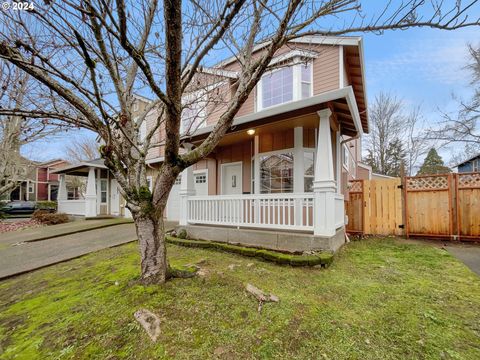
{"x": 182, "y": 234}
{"x": 46, "y": 205}
{"x": 47, "y": 218}
{"x": 323, "y": 259}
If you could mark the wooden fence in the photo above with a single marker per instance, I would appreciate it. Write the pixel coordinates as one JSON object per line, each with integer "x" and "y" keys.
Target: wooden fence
{"x": 375, "y": 207}
{"x": 436, "y": 206}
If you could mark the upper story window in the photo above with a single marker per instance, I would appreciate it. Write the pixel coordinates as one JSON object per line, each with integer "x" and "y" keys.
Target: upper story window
{"x": 293, "y": 82}
{"x": 142, "y": 130}
{"x": 194, "y": 115}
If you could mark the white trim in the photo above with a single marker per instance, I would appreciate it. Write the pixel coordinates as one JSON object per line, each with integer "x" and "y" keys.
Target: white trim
{"x": 142, "y": 98}
{"x": 215, "y": 71}
{"x": 236, "y": 163}
{"x": 294, "y": 54}
{"x": 150, "y": 178}
{"x": 155, "y": 160}
{"x": 382, "y": 176}
{"x": 341, "y": 80}
{"x": 311, "y": 39}
{"x": 296, "y": 84}
{"x": 346, "y": 157}
{"x": 346, "y": 92}
{"x": 200, "y": 171}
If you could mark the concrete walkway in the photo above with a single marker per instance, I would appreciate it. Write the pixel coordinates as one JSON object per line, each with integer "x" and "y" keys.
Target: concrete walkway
{"x": 468, "y": 254}
{"x": 20, "y": 256}
{"x": 47, "y": 232}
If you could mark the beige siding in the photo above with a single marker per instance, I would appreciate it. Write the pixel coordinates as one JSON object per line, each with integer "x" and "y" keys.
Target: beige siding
{"x": 326, "y": 73}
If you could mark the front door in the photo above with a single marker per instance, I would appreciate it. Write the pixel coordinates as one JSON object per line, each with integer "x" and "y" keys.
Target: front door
{"x": 114, "y": 198}
{"x": 232, "y": 179}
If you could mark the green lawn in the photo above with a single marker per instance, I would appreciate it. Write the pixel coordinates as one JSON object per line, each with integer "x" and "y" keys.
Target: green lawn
{"x": 379, "y": 300}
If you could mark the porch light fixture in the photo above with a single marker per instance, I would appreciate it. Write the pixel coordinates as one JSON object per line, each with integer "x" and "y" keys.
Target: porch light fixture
{"x": 251, "y": 131}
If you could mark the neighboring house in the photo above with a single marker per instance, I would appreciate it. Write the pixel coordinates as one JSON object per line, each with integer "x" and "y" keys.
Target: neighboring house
{"x": 47, "y": 181}
{"x": 470, "y": 165}
{"x": 286, "y": 161}
{"x": 25, "y": 191}
{"x": 38, "y": 183}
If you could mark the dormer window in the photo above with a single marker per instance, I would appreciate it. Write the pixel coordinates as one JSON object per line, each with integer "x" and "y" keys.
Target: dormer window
{"x": 289, "y": 83}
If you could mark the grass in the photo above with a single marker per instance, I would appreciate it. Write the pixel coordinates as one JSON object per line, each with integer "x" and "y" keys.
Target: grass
{"x": 380, "y": 299}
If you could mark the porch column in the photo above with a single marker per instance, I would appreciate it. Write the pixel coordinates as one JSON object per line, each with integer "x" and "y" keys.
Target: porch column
{"x": 187, "y": 188}
{"x": 298, "y": 172}
{"x": 256, "y": 178}
{"x": 62, "y": 187}
{"x": 256, "y": 165}
{"x": 91, "y": 194}
{"x": 324, "y": 186}
{"x": 338, "y": 156}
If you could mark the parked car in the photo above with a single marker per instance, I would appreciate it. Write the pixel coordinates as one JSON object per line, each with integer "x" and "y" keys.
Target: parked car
{"x": 19, "y": 208}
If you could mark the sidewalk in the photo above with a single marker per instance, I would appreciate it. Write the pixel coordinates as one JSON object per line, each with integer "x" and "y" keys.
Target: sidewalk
{"x": 27, "y": 256}
{"x": 46, "y": 232}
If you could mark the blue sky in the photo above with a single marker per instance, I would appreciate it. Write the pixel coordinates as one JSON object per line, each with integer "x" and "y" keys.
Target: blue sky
{"x": 421, "y": 66}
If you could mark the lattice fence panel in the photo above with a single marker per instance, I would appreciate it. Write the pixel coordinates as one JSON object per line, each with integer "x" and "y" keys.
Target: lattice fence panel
{"x": 469, "y": 181}
{"x": 356, "y": 186}
{"x": 427, "y": 183}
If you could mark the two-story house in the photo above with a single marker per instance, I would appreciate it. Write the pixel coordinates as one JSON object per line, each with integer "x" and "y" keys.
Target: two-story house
{"x": 285, "y": 162}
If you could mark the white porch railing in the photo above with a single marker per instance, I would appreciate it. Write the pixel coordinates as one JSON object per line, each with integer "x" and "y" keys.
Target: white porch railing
{"x": 274, "y": 211}
{"x": 72, "y": 207}
{"x": 339, "y": 211}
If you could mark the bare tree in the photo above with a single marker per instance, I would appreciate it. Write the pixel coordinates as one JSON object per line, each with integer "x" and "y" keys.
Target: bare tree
{"x": 95, "y": 54}
{"x": 82, "y": 148}
{"x": 464, "y": 126}
{"x": 396, "y": 135}
{"x": 19, "y": 90}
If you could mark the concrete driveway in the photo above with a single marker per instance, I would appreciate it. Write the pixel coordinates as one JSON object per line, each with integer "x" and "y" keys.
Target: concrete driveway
{"x": 468, "y": 254}
{"x": 19, "y": 254}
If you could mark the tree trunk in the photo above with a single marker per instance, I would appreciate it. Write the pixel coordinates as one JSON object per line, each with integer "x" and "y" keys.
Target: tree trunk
{"x": 151, "y": 238}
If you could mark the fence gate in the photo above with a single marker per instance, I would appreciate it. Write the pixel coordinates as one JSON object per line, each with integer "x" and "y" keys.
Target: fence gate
{"x": 467, "y": 196}
{"x": 444, "y": 206}
{"x": 354, "y": 207}
{"x": 375, "y": 207}
{"x": 428, "y": 205}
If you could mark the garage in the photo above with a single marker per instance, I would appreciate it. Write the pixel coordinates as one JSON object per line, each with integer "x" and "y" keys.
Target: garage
{"x": 200, "y": 179}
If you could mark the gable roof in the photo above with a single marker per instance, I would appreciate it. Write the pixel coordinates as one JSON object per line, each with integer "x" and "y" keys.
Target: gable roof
{"x": 468, "y": 160}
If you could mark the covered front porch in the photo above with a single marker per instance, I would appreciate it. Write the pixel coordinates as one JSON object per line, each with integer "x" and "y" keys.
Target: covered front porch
{"x": 293, "y": 185}
{"x": 101, "y": 196}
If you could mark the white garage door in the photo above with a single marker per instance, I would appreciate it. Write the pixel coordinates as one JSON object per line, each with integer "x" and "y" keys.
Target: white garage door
{"x": 173, "y": 204}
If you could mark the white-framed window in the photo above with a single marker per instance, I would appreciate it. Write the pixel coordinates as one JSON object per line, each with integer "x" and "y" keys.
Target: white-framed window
{"x": 476, "y": 165}
{"x": 31, "y": 187}
{"x": 309, "y": 169}
{"x": 289, "y": 83}
{"x": 276, "y": 172}
{"x": 178, "y": 180}
{"x": 194, "y": 114}
{"x": 306, "y": 80}
{"x": 200, "y": 178}
{"x": 150, "y": 183}
{"x": 142, "y": 130}
{"x": 345, "y": 157}
{"x": 103, "y": 191}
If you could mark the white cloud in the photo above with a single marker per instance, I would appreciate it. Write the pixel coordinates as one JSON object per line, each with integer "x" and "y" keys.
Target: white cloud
{"x": 439, "y": 60}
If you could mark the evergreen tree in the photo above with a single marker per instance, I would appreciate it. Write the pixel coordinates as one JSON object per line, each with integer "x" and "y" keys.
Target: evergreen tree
{"x": 433, "y": 164}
